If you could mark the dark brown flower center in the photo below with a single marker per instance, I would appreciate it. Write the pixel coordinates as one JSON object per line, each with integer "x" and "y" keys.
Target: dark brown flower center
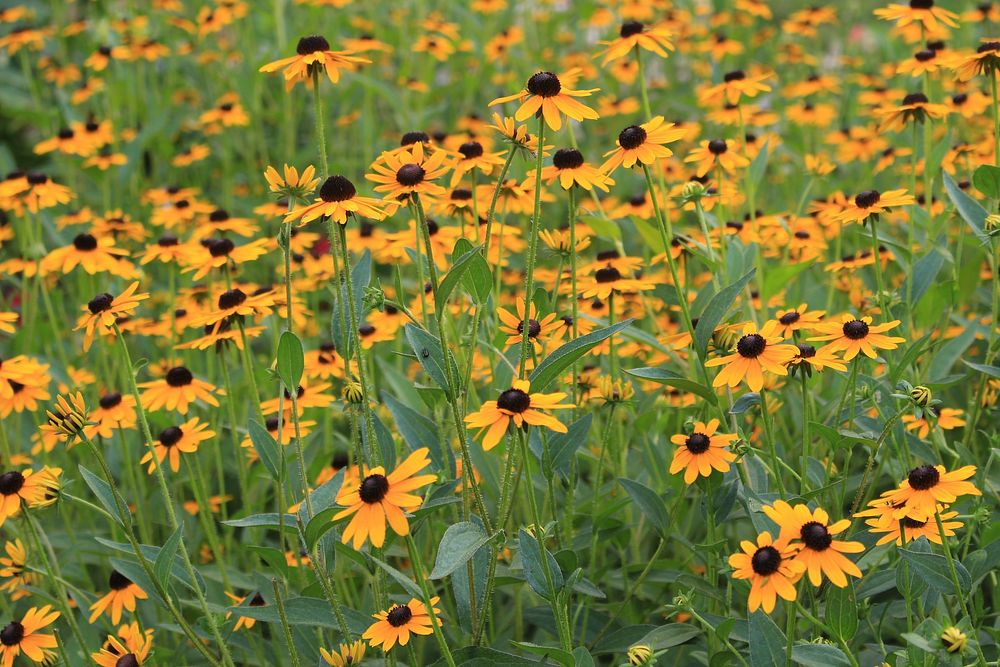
{"x": 399, "y": 616}
{"x": 544, "y": 84}
{"x": 167, "y": 241}
{"x": 127, "y": 660}
{"x": 790, "y": 317}
{"x": 415, "y": 137}
{"x": 220, "y": 247}
{"x": 816, "y": 536}
{"x": 534, "y": 328}
{"x": 231, "y": 298}
{"x": 921, "y": 4}
{"x": 179, "y": 377}
{"x": 373, "y": 488}
{"x": 698, "y": 443}
{"x": 219, "y": 215}
{"x": 915, "y": 98}
{"x": 337, "y": 188}
{"x": 855, "y": 329}
{"x": 718, "y": 146}
{"x": 11, "y": 482}
{"x": 109, "y": 401}
{"x": 765, "y": 561}
{"x": 12, "y": 634}
{"x": 471, "y": 149}
{"x": 170, "y": 436}
{"x": 410, "y": 175}
{"x": 751, "y": 346}
{"x": 514, "y": 400}
{"x": 100, "y": 303}
{"x": 913, "y": 523}
{"x": 118, "y": 581}
{"x": 567, "y": 158}
{"x": 312, "y": 44}
{"x": 924, "y": 55}
{"x": 608, "y": 274}
{"x": 924, "y": 477}
{"x": 867, "y": 199}
{"x": 630, "y": 28}
{"x": 84, "y": 242}
{"x": 988, "y": 46}
{"x": 806, "y": 351}
{"x": 735, "y": 75}
{"x": 631, "y": 137}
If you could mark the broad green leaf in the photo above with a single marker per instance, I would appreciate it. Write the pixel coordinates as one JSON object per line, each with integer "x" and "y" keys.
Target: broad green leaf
{"x": 417, "y": 430}
{"x": 819, "y": 655}
{"x": 563, "y": 446}
{"x": 165, "y": 559}
{"x": 971, "y": 211}
{"x": 291, "y": 361}
{"x": 649, "y": 503}
{"x": 534, "y": 572}
{"x": 716, "y": 310}
{"x": 459, "y": 543}
{"x": 408, "y": 585}
{"x": 455, "y": 275}
{"x": 319, "y": 525}
{"x": 755, "y": 173}
{"x": 105, "y": 494}
{"x": 672, "y": 379}
{"x": 933, "y": 569}
{"x": 670, "y": 635}
{"x": 427, "y": 347}
{"x": 478, "y": 280}
{"x": 547, "y": 653}
{"x": 583, "y": 657}
{"x": 323, "y": 497}
{"x": 265, "y": 520}
{"x": 842, "y": 611}
{"x": 307, "y": 611}
{"x": 150, "y": 553}
{"x": 767, "y": 642}
{"x": 986, "y": 178}
{"x": 992, "y": 371}
{"x": 266, "y": 447}
{"x": 567, "y": 354}
{"x": 479, "y": 656}
{"x": 924, "y": 273}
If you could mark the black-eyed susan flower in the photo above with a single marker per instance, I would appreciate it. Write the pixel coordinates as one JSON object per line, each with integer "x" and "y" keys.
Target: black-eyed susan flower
{"x": 520, "y": 406}
{"x": 123, "y": 595}
{"x": 23, "y": 637}
{"x": 791, "y": 320}
{"x": 854, "y": 336}
{"x": 176, "y": 390}
{"x": 873, "y": 202}
{"x": 68, "y": 418}
{"x": 735, "y": 85}
{"x": 114, "y": 412}
{"x": 634, "y": 35}
{"x": 922, "y": 12}
{"x": 606, "y": 278}
{"x": 290, "y": 183}
{"x": 702, "y": 451}
{"x": 881, "y": 521}
{"x": 539, "y": 331}
{"x": 643, "y": 144}
{"x": 914, "y": 108}
{"x": 93, "y": 255}
{"x": 984, "y": 62}
{"x": 402, "y": 173}
{"x": 812, "y": 534}
{"x": 338, "y": 199}
{"x": 14, "y": 572}
{"x": 943, "y": 418}
{"x": 810, "y": 358}
{"x": 176, "y": 440}
{"x": 314, "y": 52}
{"x": 954, "y": 640}
{"x": 715, "y": 153}
{"x": 771, "y": 569}
{"x": 103, "y": 311}
{"x": 379, "y": 498}
{"x": 216, "y": 253}
{"x": 569, "y": 168}
{"x": 756, "y": 352}
{"x": 544, "y": 94}
{"x": 235, "y": 303}
{"x": 927, "y": 487}
{"x": 345, "y": 655}
{"x": 395, "y": 625}
{"x": 129, "y": 649}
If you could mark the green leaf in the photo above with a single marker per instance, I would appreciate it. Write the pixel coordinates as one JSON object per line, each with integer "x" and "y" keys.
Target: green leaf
{"x": 842, "y": 611}
{"x": 670, "y": 635}
{"x": 105, "y": 495}
{"x": 454, "y": 276}
{"x": 924, "y": 273}
{"x": 150, "y": 553}
{"x": 992, "y": 371}
{"x": 478, "y": 280}
{"x": 458, "y": 544}
{"x": 567, "y": 354}
{"x": 949, "y": 353}
{"x": 767, "y": 642}
{"x": 361, "y": 276}
{"x": 534, "y": 572}
{"x": 319, "y": 525}
{"x": 266, "y": 447}
{"x": 650, "y": 504}
{"x": 986, "y": 178}
{"x": 971, "y": 211}
{"x": 408, "y": 585}
{"x": 672, "y": 379}
{"x": 583, "y": 658}
{"x": 323, "y": 497}
{"x": 165, "y": 559}
{"x": 650, "y": 235}
{"x": 933, "y": 569}
{"x": 306, "y": 611}
{"x": 819, "y": 655}
{"x": 758, "y": 166}
{"x": 563, "y": 446}
{"x": 562, "y": 657}
{"x": 478, "y": 656}
{"x": 427, "y": 347}
{"x": 716, "y": 310}
{"x": 265, "y": 520}
{"x": 291, "y": 361}
{"x": 417, "y": 430}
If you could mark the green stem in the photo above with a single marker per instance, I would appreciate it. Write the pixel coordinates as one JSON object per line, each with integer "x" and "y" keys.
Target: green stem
{"x": 418, "y": 571}
{"x": 529, "y": 276}
{"x": 280, "y": 604}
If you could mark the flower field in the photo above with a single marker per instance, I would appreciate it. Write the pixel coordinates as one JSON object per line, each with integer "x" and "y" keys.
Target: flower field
{"x": 497, "y": 333}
